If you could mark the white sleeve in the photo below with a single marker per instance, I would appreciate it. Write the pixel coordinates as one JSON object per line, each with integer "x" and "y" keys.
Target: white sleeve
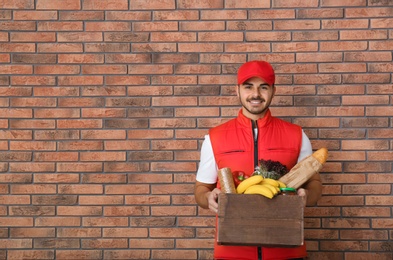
{"x": 306, "y": 149}
{"x": 207, "y": 171}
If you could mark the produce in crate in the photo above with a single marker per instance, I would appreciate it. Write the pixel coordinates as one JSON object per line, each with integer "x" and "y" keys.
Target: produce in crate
{"x": 225, "y": 178}
{"x": 256, "y": 184}
{"x": 270, "y": 169}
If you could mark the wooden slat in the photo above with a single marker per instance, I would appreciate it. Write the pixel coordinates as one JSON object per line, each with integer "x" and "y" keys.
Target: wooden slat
{"x": 256, "y": 220}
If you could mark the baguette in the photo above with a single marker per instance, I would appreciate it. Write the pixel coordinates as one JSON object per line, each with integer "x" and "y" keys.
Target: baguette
{"x": 321, "y": 155}
{"x": 305, "y": 169}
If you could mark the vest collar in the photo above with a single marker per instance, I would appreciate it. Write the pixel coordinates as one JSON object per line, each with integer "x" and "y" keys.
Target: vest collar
{"x": 262, "y": 122}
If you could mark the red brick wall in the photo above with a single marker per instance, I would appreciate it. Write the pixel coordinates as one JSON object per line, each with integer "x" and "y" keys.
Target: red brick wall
{"x": 104, "y": 105}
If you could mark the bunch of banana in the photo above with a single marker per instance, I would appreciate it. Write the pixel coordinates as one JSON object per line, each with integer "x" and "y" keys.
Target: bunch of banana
{"x": 256, "y": 184}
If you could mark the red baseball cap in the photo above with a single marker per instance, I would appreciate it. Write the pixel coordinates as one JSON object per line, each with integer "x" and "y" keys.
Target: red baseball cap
{"x": 256, "y": 68}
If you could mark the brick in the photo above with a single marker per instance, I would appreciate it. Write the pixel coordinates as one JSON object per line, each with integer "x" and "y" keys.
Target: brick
{"x": 56, "y": 243}
{"x": 125, "y": 167}
{"x": 79, "y": 36}
{"x": 60, "y": 26}
{"x": 343, "y": 46}
{"x": 54, "y": 199}
{"x": 290, "y": 47}
{"x": 157, "y": 155}
{"x": 107, "y": 47}
{"x": 107, "y": 26}
{"x": 142, "y": 5}
{"x": 81, "y": 145}
{"x": 17, "y": 47}
{"x": 18, "y": 26}
{"x": 247, "y": 47}
{"x": 148, "y": 200}
{"x": 32, "y": 36}
{"x": 366, "y": 56}
{"x": 151, "y": 243}
{"x": 322, "y": 13}
{"x": 78, "y": 167}
{"x": 55, "y": 156}
{"x": 127, "y": 189}
{"x": 103, "y": 112}
{"x": 174, "y": 58}
{"x": 16, "y": 69}
{"x": 59, "y": 47}
{"x": 325, "y": 3}
{"x": 368, "y": 12}
{"x": 57, "y": 113}
{"x": 173, "y": 37}
{"x": 126, "y": 37}
{"x": 81, "y": 58}
{"x": 176, "y": 15}
{"x": 297, "y": 25}
{"x": 353, "y": 223}
{"x": 315, "y": 36}
{"x": 56, "y": 177}
{"x": 363, "y": 34}
{"x": 57, "y": 69}
{"x": 30, "y": 254}
{"x": 286, "y": 4}
{"x": 267, "y": 36}
{"x": 58, "y": 5}
{"x": 358, "y": 255}
{"x": 35, "y": 15}
{"x": 105, "y": 221}
{"x": 317, "y": 79}
{"x": 77, "y": 210}
{"x": 62, "y": 254}
{"x": 200, "y": 47}
{"x": 127, "y": 15}
{"x": 153, "y": 47}
{"x": 79, "y": 123}
{"x": 370, "y": 78}
{"x": 174, "y": 254}
{"x": 102, "y": 91}
{"x": 33, "y": 102}
{"x": 102, "y": 156}
{"x": 101, "y": 200}
{"x": 127, "y": 254}
{"x": 81, "y": 15}
{"x": 34, "y": 124}
{"x": 32, "y": 80}
{"x": 56, "y": 134}
{"x": 81, "y": 102}
{"x": 33, "y": 189}
{"x": 78, "y": 232}
{"x": 33, "y": 146}
{"x": 32, "y": 211}
{"x": 379, "y": 111}
{"x": 133, "y": 145}
{"x": 202, "y": 26}
{"x": 16, "y": 134}
{"x": 150, "y": 134}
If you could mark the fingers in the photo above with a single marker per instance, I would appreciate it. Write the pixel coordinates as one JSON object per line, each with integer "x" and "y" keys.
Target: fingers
{"x": 213, "y": 198}
{"x": 303, "y": 193}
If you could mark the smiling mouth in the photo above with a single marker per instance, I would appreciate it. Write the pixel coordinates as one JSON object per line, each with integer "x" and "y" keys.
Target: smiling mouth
{"x": 256, "y": 101}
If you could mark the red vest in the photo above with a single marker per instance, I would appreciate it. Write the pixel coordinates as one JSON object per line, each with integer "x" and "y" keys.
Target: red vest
{"x": 233, "y": 147}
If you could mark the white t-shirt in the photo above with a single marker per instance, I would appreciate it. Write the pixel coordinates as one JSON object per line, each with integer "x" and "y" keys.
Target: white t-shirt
{"x": 207, "y": 171}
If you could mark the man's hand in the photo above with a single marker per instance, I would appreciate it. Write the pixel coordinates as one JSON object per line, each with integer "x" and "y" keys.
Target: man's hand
{"x": 212, "y": 199}
{"x": 303, "y": 193}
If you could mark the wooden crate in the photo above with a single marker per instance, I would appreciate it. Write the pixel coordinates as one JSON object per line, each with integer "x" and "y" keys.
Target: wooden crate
{"x": 250, "y": 219}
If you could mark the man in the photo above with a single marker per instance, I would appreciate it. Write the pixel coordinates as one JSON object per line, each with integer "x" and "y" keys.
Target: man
{"x": 241, "y": 142}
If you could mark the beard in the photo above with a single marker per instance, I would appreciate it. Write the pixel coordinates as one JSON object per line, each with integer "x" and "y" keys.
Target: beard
{"x": 255, "y": 110}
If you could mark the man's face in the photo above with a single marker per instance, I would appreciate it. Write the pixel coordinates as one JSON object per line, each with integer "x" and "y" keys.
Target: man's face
{"x": 255, "y": 95}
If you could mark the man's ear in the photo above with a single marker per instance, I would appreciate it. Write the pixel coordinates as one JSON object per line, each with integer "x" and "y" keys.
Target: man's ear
{"x": 237, "y": 90}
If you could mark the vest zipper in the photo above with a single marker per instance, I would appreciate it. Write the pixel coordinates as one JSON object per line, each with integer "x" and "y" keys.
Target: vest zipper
{"x": 255, "y": 125}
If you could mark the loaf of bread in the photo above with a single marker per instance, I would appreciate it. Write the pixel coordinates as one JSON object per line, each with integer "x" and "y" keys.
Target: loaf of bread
{"x": 227, "y": 183}
{"x": 321, "y": 155}
{"x": 305, "y": 169}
